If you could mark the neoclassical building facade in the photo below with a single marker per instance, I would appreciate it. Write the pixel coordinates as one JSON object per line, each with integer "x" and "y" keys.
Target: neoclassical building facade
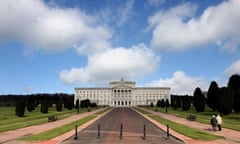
{"x": 123, "y": 93}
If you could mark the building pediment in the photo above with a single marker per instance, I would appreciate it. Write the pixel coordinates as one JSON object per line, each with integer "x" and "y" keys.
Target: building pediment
{"x": 122, "y": 83}
{"x": 122, "y": 86}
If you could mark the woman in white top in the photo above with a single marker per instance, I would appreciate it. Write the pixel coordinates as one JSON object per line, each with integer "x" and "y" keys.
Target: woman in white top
{"x": 219, "y": 122}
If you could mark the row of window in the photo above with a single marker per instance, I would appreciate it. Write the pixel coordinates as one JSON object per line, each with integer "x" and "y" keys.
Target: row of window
{"x": 109, "y": 93}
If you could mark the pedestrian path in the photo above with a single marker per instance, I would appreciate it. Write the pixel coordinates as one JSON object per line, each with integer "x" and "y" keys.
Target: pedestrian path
{"x": 7, "y": 137}
{"x": 122, "y": 125}
{"x": 231, "y": 136}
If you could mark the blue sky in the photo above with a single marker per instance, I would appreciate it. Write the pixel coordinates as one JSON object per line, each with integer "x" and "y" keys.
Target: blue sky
{"x": 56, "y": 45}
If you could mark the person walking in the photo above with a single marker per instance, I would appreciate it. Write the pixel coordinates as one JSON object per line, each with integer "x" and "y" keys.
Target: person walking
{"x": 219, "y": 122}
{"x": 214, "y": 123}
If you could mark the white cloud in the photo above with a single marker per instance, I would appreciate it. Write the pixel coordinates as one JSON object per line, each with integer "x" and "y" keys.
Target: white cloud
{"x": 177, "y": 29}
{"x": 113, "y": 64}
{"x": 234, "y": 68}
{"x": 181, "y": 83}
{"x": 39, "y": 26}
{"x": 118, "y": 15}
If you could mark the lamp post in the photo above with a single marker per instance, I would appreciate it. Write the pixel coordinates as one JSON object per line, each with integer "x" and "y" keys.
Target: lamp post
{"x": 78, "y": 105}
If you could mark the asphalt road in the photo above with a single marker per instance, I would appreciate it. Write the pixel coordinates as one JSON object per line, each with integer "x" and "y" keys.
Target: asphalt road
{"x": 107, "y": 130}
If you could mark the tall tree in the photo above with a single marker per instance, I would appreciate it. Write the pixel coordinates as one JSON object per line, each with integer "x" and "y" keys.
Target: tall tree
{"x": 30, "y": 103}
{"x": 162, "y": 103}
{"x": 45, "y": 104}
{"x": 199, "y": 100}
{"x": 68, "y": 102}
{"x": 225, "y": 101}
{"x": 234, "y": 84}
{"x": 77, "y": 104}
{"x": 59, "y": 103}
{"x": 20, "y": 107}
{"x": 159, "y": 103}
{"x": 213, "y": 95}
{"x": 167, "y": 103}
{"x": 186, "y": 103}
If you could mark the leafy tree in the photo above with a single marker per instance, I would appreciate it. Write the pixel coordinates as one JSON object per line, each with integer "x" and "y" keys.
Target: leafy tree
{"x": 77, "y": 104}
{"x": 213, "y": 95}
{"x": 167, "y": 103}
{"x": 151, "y": 105}
{"x": 45, "y": 104}
{"x": 30, "y": 103}
{"x": 177, "y": 102}
{"x": 69, "y": 102}
{"x": 186, "y": 103}
{"x": 59, "y": 103}
{"x": 162, "y": 103}
{"x": 199, "y": 100}
{"x": 234, "y": 84}
{"x": 85, "y": 103}
{"x": 158, "y": 103}
{"x": 94, "y": 105}
{"x": 20, "y": 107}
{"x": 225, "y": 100}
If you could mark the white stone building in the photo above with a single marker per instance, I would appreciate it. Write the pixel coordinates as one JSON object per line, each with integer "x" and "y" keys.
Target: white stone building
{"x": 123, "y": 93}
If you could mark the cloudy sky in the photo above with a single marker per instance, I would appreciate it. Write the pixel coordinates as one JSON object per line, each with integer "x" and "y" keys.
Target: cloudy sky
{"x": 57, "y": 45}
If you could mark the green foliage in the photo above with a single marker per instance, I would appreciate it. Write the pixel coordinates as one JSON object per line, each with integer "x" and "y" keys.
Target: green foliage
{"x": 158, "y": 103}
{"x": 234, "y": 84}
{"x": 199, "y": 100}
{"x": 77, "y": 105}
{"x": 45, "y": 104}
{"x": 167, "y": 103}
{"x": 162, "y": 103}
{"x": 186, "y": 103}
{"x": 30, "y": 103}
{"x": 225, "y": 100}
{"x": 177, "y": 102}
{"x": 59, "y": 104}
{"x": 20, "y": 107}
{"x": 151, "y": 105}
{"x": 213, "y": 95}
{"x": 69, "y": 102}
{"x": 85, "y": 103}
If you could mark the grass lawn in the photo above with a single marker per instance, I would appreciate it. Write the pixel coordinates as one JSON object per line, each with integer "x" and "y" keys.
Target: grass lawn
{"x": 183, "y": 129}
{"x": 9, "y": 121}
{"x": 62, "y": 129}
{"x": 231, "y": 121}
{"x": 58, "y": 131}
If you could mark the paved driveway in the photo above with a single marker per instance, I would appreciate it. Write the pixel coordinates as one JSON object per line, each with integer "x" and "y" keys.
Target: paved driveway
{"x": 132, "y": 130}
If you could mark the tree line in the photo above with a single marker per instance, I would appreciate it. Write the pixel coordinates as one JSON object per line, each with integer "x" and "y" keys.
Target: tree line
{"x": 30, "y": 102}
{"x": 224, "y": 100}
{"x": 57, "y": 100}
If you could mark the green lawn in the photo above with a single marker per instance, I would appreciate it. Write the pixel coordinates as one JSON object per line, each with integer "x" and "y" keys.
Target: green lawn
{"x": 62, "y": 129}
{"x": 58, "y": 131}
{"x": 231, "y": 121}
{"x": 183, "y": 129}
{"x": 9, "y": 121}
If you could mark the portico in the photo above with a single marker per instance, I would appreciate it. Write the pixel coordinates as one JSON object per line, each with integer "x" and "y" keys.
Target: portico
{"x": 122, "y": 97}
